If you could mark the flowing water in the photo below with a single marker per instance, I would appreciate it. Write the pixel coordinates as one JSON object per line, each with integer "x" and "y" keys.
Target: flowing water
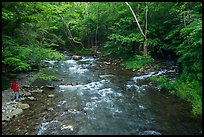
{"x": 95, "y": 98}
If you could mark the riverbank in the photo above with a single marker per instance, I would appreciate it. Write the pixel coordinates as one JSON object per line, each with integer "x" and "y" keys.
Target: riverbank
{"x": 35, "y": 103}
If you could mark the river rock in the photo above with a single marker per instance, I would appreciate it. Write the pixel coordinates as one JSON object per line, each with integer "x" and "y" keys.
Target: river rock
{"x": 75, "y": 57}
{"x": 50, "y": 109}
{"x": 51, "y": 96}
{"x": 57, "y": 79}
{"x": 50, "y": 86}
{"x": 22, "y": 98}
{"x": 107, "y": 63}
{"x": 26, "y": 86}
{"x": 27, "y": 94}
{"x": 23, "y": 106}
{"x": 32, "y": 98}
{"x": 7, "y": 116}
{"x": 37, "y": 91}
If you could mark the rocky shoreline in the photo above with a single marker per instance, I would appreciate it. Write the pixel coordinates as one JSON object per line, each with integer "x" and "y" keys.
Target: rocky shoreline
{"x": 34, "y": 96}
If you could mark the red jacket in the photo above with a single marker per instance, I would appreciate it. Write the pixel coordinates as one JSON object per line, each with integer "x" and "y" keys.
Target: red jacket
{"x": 14, "y": 86}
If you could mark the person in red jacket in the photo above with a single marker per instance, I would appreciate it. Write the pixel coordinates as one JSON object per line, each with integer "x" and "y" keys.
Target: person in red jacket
{"x": 16, "y": 90}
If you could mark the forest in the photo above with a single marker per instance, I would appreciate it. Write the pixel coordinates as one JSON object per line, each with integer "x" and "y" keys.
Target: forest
{"x": 137, "y": 33}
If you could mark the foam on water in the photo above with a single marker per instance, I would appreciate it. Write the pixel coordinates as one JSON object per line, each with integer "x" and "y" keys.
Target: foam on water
{"x": 148, "y": 75}
{"x": 44, "y": 126}
{"x": 84, "y": 59}
{"x": 133, "y": 86}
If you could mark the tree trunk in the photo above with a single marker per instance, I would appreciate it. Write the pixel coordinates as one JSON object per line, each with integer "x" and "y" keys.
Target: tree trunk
{"x": 70, "y": 37}
{"x": 86, "y": 5}
{"x": 144, "y": 35}
{"x": 87, "y": 30}
{"x": 96, "y": 46}
{"x": 145, "y": 38}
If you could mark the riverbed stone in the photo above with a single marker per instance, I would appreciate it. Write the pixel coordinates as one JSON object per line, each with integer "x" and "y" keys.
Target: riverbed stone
{"x": 26, "y": 86}
{"x": 27, "y": 94}
{"x": 32, "y": 98}
{"x": 23, "y": 106}
{"x": 51, "y": 96}
{"x": 75, "y": 57}
{"x": 37, "y": 91}
{"x": 50, "y": 86}
{"x": 50, "y": 109}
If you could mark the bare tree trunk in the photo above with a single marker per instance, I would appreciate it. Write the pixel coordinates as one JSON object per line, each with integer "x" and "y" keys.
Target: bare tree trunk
{"x": 86, "y": 5}
{"x": 70, "y": 37}
{"x": 145, "y": 38}
{"x": 96, "y": 34}
{"x": 138, "y": 9}
{"x": 87, "y": 30}
{"x": 96, "y": 46}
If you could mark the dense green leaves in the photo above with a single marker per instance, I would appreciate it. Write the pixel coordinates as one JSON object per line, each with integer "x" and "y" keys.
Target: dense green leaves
{"x": 138, "y": 62}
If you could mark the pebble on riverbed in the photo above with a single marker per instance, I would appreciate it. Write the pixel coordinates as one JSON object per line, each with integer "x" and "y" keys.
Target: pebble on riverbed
{"x": 51, "y": 96}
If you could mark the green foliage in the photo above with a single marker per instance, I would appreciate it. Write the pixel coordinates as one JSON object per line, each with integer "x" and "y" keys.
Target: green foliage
{"x": 137, "y": 62}
{"x": 116, "y": 50}
{"x": 192, "y": 92}
{"x": 46, "y": 69}
{"x": 156, "y": 67}
{"x": 163, "y": 82}
{"x": 24, "y": 57}
{"x": 16, "y": 63}
{"x": 119, "y": 45}
{"x": 186, "y": 90}
{"x": 190, "y": 49}
{"x": 45, "y": 76}
{"x": 46, "y": 73}
{"x": 84, "y": 52}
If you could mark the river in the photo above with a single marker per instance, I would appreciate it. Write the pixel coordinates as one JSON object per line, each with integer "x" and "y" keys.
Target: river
{"x": 94, "y": 98}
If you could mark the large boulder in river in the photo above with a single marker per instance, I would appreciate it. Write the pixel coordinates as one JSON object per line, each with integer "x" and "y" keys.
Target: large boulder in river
{"x": 75, "y": 57}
